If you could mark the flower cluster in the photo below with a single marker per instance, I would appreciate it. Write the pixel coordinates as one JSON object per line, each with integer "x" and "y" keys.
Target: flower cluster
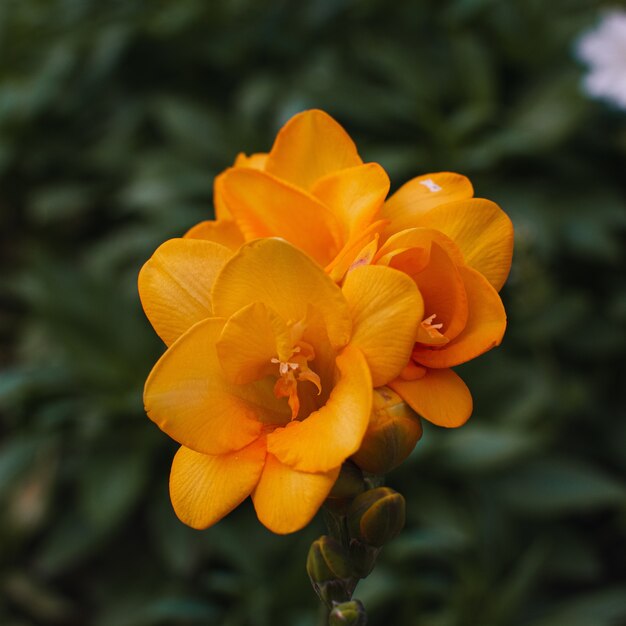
{"x": 312, "y": 322}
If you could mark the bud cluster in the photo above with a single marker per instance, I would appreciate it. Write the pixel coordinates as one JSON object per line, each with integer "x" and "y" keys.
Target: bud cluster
{"x": 364, "y": 521}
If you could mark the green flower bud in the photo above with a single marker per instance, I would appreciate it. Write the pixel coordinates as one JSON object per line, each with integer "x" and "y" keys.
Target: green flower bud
{"x": 393, "y": 431}
{"x": 348, "y": 614}
{"x": 328, "y": 566}
{"x": 376, "y": 516}
{"x": 349, "y": 483}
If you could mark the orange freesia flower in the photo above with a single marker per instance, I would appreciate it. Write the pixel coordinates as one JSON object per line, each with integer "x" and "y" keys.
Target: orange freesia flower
{"x": 311, "y": 189}
{"x": 267, "y": 379}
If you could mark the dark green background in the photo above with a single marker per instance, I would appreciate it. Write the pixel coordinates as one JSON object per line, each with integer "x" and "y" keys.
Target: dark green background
{"x": 114, "y": 118}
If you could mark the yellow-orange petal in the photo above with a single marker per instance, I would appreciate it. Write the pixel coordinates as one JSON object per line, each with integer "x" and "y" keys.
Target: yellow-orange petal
{"x": 225, "y": 232}
{"x": 417, "y": 197}
{"x": 255, "y": 161}
{"x": 205, "y": 488}
{"x": 483, "y": 232}
{"x": 326, "y": 438}
{"x": 442, "y": 287}
{"x": 486, "y": 323}
{"x": 354, "y": 195}
{"x": 420, "y": 238}
{"x": 440, "y": 396}
{"x": 350, "y": 253}
{"x": 187, "y": 396}
{"x": 219, "y": 203}
{"x": 309, "y": 146}
{"x": 285, "y": 279}
{"x": 386, "y": 308}
{"x": 285, "y": 499}
{"x": 175, "y": 284}
{"x": 251, "y": 338}
{"x": 264, "y": 206}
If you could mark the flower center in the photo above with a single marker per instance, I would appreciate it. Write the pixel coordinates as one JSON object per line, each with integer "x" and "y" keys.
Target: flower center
{"x": 295, "y": 369}
{"x": 429, "y": 334}
{"x": 429, "y": 326}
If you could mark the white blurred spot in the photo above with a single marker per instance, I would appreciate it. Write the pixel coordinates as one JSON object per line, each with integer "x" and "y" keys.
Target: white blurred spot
{"x": 603, "y": 49}
{"x": 431, "y": 184}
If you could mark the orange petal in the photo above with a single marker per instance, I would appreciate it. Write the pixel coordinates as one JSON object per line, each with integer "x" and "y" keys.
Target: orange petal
{"x": 419, "y": 238}
{"x": 251, "y": 338}
{"x": 484, "y": 329}
{"x": 311, "y": 145}
{"x": 175, "y": 284}
{"x": 349, "y": 255}
{"x": 286, "y": 280}
{"x": 441, "y": 285}
{"x": 483, "y": 232}
{"x": 225, "y": 232}
{"x": 264, "y": 206}
{"x": 286, "y": 500}
{"x": 187, "y": 396}
{"x": 255, "y": 161}
{"x": 415, "y": 198}
{"x": 205, "y": 488}
{"x": 354, "y": 195}
{"x": 326, "y": 438}
{"x": 440, "y": 396}
{"x": 221, "y": 209}
{"x": 386, "y": 308}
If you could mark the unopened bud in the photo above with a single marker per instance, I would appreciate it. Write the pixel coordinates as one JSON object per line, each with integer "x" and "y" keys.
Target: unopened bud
{"x": 328, "y": 567}
{"x": 348, "y": 614}
{"x": 393, "y": 431}
{"x": 376, "y": 516}
{"x": 349, "y": 483}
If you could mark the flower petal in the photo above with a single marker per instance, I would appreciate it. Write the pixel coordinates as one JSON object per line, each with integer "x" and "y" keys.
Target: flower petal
{"x": 354, "y": 195}
{"x": 250, "y": 339}
{"x": 442, "y": 287}
{"x": 486, "y": 323}
{"x": 187, "y": 396}
{"x": 415, "y": 198}
{"x": 286, "y": 500}
{"x": 483, "y": 232}
{"x": 264, "y": 206}
{"x": 419, "y": 238}
{"x": 225, "y": 232}
{"x": 440, "y": 396}
{"x": 175, "y": 284}
{"x": 350, "y": 255}
{"x": 205, "y": 488}
{"x": 386, "y": 309}
{"x": 311, "y": 145}
{"x": 326, "y": 438}
{"x": 276, "y": 273}
{"x": 255, "y": 161}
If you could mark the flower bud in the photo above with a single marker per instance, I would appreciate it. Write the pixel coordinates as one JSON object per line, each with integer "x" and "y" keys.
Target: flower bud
{"x": 328, "y": 567}
{"x": 349, "y": 483}
{"x": 393, "y": 431}
{"x": 376, "y": 516}
{"x": 348, "y": 614}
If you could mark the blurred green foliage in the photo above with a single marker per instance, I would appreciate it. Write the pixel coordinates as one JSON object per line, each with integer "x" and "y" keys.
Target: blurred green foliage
{"x": 114, "y": 118}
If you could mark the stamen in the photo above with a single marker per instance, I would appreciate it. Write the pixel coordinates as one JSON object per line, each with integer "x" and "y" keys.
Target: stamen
{"x": 293, "y": 371}
{"x": 428, "y": 322}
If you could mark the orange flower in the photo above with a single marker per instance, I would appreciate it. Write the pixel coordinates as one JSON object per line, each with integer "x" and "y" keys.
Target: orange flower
{"x": 458, "y": 250}
{"x": 311, "y": 189}
{"x": 267, "y": 380}
{"x": 455, "y": 247}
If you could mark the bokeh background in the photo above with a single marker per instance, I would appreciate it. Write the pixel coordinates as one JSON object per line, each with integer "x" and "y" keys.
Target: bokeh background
{"x": 114, "y": 118}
